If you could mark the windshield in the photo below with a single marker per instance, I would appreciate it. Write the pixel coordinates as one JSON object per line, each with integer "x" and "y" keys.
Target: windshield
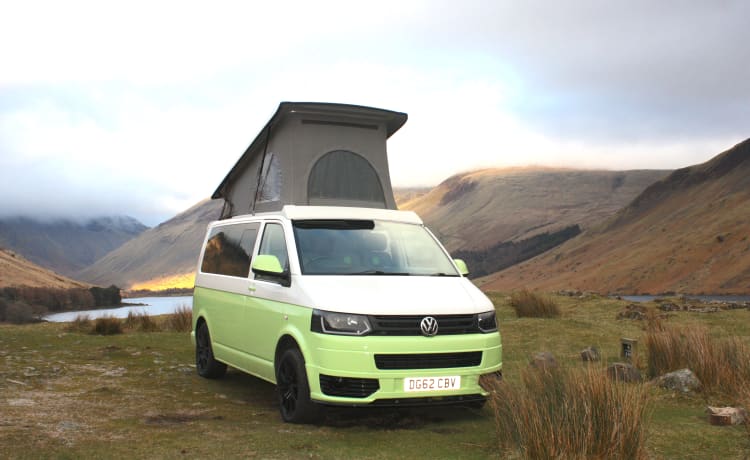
{"x": 366, "y": 247}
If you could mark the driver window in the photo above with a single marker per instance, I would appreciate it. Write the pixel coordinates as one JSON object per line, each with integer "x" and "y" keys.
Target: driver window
{"x": 273, "y": 243}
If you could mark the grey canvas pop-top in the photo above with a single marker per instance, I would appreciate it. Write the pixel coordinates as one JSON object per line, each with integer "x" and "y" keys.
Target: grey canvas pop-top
{"x": 313, "y": 153}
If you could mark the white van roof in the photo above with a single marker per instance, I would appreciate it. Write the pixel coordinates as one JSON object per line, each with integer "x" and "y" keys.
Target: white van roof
{"x": 293, "y": 212}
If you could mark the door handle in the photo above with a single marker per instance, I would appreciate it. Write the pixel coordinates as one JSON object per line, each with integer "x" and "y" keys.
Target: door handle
{"x": 251, "y": 288}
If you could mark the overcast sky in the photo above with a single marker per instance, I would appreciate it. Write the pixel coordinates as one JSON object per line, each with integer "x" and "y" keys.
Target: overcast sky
{"x": 141, "y": 108}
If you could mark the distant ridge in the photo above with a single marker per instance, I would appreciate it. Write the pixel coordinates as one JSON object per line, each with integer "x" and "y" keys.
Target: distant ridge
{"x": 168, "y": 251}
{"x": 687, "y": 233}
{"x": 479, "y": 209}
{"x": 15, "y": 270}
{"x": 66, "y": 245}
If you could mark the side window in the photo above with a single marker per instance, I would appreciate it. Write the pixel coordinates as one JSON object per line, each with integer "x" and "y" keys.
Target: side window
{"x": 229, "y": 250}
{"x": 273, "y": 243}
{"x": 343, "y": 175}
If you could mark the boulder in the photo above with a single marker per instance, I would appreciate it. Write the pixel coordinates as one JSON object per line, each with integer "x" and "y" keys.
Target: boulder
{"x": 543, "y": 360}
{"x": 683, "y": 381}
{"x": 624, "y": 372}
{"x": 590, "y": 354}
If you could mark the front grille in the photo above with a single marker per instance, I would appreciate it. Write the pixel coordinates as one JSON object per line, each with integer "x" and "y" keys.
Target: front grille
{"x": 431, "y": 401}
{"x": 348, "y": 387}
{"x": 409, "y": 325}
{"x": 428, "y": 361}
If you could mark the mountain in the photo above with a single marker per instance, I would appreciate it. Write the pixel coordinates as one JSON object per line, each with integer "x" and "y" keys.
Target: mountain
{"x": 66, "y": 246}
{"x": 479, "y": 209}
{"x": 160, "y": 257}
{"x": 17, "y": 271}
{"x": 687, "y": 233}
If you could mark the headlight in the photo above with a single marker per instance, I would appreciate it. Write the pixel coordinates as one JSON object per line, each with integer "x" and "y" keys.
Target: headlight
{"x": 486, "y": 321}
{"x": 328, "y": 322}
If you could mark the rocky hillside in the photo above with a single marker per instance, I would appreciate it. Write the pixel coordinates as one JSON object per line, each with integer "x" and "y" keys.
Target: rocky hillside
{"x": 687, "y": 233}
{"x": 15, "y": 270}
{"x": 161, "y": 257}
{"x": 479, "y": 209}
{"x": 66, "y": 246}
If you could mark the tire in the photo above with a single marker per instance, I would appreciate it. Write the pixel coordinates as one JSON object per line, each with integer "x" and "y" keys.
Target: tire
{"x": 293, "y": 389}
{"x": 205, "y": 362}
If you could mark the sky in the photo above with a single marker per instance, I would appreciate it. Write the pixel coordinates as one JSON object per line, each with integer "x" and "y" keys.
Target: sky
{"x": 141, "y": 108}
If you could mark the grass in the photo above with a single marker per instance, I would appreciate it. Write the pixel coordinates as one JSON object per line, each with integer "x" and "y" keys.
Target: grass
{"x": 721, "y": 364}
{"x": 76, "y": 395}
{"x": 533, "y": 305}
{"x": 179, "y": 321}
{"x": 570, "y": 413}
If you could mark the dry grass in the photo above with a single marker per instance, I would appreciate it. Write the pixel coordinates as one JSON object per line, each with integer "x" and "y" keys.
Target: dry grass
{"x": 140, "y": 321}
{"x": 179, "y": 321}
{"x": 581, "y": 413}
{"x": 531, "y": 304}
{"x": 81, "y": 323}
{"x": 722, "y": 366}
{"x": 107, "y": 325}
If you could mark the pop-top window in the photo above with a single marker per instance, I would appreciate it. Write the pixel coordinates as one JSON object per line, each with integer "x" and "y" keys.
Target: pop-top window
{"x": 229, "y": 250}
{"x": 341, "y": 175}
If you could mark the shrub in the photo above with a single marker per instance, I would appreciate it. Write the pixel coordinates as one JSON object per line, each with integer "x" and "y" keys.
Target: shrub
{"x": 181, "y": 320}
{"x": 81, "y": 323}
{"x": 107, "y": 325}
{"x": 559, "y": 413}
{"x": 531, "y": 304}
{"x": 18, "y": 312}
{"x": 721, "y": 365}
{"x": 140, "y": 321}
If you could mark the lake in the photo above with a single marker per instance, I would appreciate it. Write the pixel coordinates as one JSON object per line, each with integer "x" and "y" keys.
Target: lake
{"x": 153, "y": 306}
{"x": 702, "y": 298}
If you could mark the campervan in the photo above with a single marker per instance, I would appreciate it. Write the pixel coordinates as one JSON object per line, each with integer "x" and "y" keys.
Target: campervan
{"x": 314, "y": 281}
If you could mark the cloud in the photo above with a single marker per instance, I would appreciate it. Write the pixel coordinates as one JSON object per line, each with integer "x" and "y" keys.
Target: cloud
{"x": 141, "y": 108}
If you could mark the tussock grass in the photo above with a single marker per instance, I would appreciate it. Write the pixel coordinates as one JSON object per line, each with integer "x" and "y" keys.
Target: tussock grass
{"x": 140, "y": 321}
{"x": 179, "y": 321}
{"x": 722, "y": 365}
{"x": 531, "y": 304}
{"x": 107, "y": 325}
{"x": 563, "y": 413}
{"x": 81, "y": 323}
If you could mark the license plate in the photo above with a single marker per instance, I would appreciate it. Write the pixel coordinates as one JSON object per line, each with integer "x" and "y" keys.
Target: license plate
{"x": 432, "y": 383}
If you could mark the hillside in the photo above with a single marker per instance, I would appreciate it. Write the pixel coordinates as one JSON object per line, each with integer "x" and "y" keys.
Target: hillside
{"x": 688, "y": 233}
{"x": 479, "y": 209}
{"x": 17, "y": 271}
{"x": 161, "y": 257}
{"x": 66, "y": 246}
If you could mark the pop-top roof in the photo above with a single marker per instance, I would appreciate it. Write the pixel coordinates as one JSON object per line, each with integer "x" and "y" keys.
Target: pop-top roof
{"x": 312, "y": 153}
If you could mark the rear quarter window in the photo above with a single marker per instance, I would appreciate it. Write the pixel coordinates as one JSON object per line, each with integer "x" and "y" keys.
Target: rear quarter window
{"x": 229, "y": 250}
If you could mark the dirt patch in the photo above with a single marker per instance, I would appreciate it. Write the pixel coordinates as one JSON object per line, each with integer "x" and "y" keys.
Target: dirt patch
{"x": 178, "y": 418}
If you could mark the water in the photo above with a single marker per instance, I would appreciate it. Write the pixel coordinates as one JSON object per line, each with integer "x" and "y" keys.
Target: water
{"x": 153, "y": 306}
{"x": 702, "y": 298}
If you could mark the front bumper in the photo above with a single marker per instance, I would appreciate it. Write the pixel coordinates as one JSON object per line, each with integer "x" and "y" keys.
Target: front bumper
{"x": 353, "y": 359}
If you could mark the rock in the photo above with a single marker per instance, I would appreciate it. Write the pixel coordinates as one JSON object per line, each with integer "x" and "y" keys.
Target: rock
{"x": 543, "y": 360}
{"x": 669, "y": 306}
{"x": 726, "y": 415}
{"x": 633, "y": 311}
{"x": 683, "y": 381}
{"x": 624, "y": 372}
{"x": 590, "y": 354}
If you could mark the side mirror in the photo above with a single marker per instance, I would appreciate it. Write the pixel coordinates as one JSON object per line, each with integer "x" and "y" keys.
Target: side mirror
{"x": 462, "y": 268}
{"x": 268, "y": 266}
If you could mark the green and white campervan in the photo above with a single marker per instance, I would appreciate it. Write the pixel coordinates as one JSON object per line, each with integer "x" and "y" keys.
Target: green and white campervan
{"x": 313, "y": 281}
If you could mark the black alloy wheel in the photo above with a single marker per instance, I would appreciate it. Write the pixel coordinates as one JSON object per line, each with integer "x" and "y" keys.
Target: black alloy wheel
{"x": 205, "y": 362}
{"x": 295, "y": 404}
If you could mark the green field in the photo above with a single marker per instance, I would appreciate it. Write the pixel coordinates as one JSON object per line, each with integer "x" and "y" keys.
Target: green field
{"x": 74, "y": 395}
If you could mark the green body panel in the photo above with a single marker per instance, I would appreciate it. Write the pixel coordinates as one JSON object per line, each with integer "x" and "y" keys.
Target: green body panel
{"x": 267, "y": 322}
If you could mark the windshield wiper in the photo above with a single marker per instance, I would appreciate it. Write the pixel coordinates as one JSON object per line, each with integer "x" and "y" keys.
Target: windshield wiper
{"x": 442, "y": 274}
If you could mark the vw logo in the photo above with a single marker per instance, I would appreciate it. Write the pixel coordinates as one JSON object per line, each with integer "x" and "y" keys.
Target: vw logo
{"x": 429, "y": 326}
